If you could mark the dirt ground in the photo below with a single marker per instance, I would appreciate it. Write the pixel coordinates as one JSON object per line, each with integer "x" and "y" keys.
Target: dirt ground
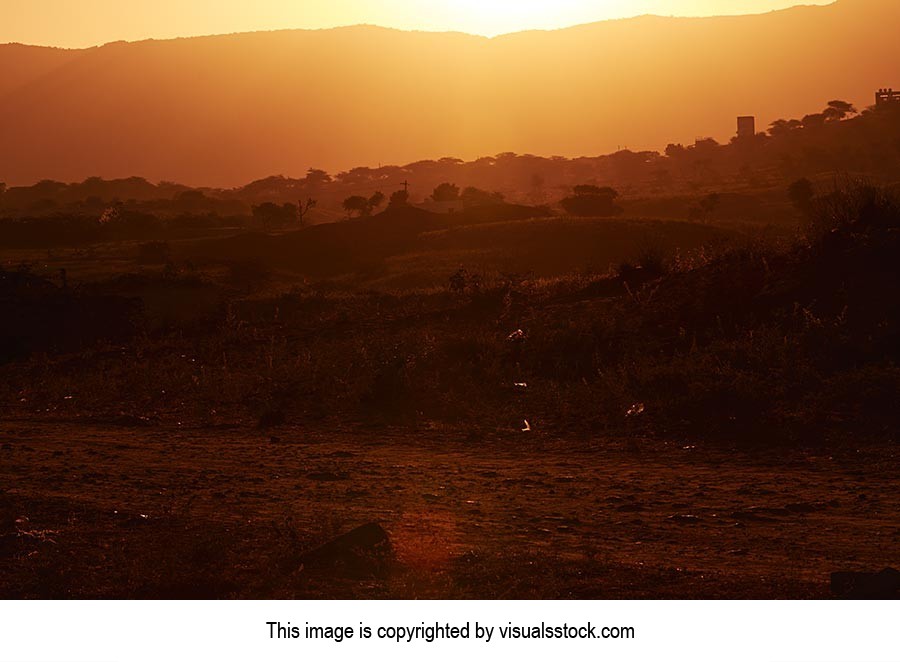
{"x": 129, "y": 511}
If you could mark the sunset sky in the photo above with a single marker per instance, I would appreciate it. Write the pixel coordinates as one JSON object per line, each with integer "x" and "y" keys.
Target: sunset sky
{"x": 90, "y": 22}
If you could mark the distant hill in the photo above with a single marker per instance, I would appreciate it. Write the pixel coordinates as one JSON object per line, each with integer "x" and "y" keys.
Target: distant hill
{"x": 225, "y": 110}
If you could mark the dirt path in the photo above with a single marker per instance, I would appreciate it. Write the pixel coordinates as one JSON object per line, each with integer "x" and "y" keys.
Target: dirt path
{"x": 759, "y": 524}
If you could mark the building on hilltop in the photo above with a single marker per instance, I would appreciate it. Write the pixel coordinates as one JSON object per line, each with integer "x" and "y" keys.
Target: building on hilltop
{"x": 886, "y": 95}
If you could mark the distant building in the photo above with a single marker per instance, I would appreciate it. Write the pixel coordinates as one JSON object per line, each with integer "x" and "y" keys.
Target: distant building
{"x": 886, "y": 95}
{"x": 746, "y": 126}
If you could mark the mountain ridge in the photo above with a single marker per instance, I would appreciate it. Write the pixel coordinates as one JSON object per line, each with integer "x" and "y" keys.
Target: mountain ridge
{"x": 226, "y": 109}
{"x": 376, "y": 26}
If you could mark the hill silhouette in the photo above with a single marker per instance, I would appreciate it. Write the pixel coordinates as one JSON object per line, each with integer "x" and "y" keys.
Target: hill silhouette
{"x": 224, "y": 110}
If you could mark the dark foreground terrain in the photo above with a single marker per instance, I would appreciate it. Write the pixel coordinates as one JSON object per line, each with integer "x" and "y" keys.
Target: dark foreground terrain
{"x": 124, "y": 512}
{"x": 691, "y": 413}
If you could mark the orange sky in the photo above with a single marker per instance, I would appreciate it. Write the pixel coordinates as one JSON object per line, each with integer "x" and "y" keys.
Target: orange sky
{"x": 83, "y": 23}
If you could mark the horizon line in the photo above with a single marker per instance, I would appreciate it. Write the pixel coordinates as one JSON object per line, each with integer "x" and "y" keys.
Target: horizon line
{"x": 489, "y": 37}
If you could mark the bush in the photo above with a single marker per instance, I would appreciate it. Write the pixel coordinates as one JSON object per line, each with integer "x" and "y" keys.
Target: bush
{"x": 854, "y": 205}
{"x": 588, "y": 200}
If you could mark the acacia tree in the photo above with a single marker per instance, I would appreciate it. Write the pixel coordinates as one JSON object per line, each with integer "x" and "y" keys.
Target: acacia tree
{"x": 362, "y": 205}
{"x": 838, "y": 110}
{"x": 356, "y": 204}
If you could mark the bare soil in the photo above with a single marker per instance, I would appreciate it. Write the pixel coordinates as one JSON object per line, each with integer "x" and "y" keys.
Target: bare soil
{"x": 127, "y": 511}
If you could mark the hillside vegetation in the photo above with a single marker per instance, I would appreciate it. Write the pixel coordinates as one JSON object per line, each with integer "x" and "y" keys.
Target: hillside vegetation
{"x": 730, "y": 339}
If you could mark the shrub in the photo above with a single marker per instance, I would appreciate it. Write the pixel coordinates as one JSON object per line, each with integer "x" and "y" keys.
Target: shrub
{"x": 854, "y": 205}
{"x": 589, "y": 200}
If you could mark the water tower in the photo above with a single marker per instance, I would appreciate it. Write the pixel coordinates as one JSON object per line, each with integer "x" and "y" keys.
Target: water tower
{"x": 746, "y": 126}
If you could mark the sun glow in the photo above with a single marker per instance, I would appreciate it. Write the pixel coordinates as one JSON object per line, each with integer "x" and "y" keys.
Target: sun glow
{"x": 50, "y": 22}
{"x": 491, "y": 18}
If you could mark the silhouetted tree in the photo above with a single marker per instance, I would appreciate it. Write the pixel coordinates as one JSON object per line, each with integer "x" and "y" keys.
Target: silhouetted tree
{"x": 363, "y": 206}
{"x": 399, "y": 199}
{"x": 838, "y": 110}
{"x": 302, "y": 209}
{"x": 675, "y": 151}
{"x": 191, "y": 201}
{"x": 813, "y": 120}
{"x": 356, "y": 204}
{"x": 445, "y": 192}
{"x": 316, "y": 177}
{"x": 375, "y": 201}
{"x": 706, "y": 145}
{"x": 782, "y": 127}
{"x": 474, "y": 197}
{"x": 269, "y": 214}
{"x": 590, "y": 200}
